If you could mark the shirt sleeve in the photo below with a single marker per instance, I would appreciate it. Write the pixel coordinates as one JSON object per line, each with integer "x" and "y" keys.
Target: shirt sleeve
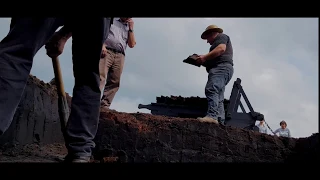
{"x": 222, "y": 39}
{"x": 289, "y": 134}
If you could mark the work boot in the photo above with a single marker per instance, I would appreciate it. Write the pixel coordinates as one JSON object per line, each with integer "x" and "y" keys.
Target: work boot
{"x": 81, "y": 160}
{"x": 69, "y": 159}
{"x": 208, "y": 119}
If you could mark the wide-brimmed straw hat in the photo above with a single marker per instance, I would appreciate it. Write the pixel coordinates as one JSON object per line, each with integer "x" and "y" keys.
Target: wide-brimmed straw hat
{"x": 209, "y": 29}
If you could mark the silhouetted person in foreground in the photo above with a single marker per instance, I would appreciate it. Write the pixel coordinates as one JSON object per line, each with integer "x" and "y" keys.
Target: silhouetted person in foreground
{"x": 17, "y": 50}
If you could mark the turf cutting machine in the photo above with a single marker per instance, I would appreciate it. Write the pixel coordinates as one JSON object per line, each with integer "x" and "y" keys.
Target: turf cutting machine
{"x": 193, "y": 107}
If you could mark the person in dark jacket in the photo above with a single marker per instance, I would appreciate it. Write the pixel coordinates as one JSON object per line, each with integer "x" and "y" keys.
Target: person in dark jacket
{"x": 17, "y": 50}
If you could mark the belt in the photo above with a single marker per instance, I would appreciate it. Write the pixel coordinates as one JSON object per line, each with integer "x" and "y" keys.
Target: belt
{"x": 115, "y": 51}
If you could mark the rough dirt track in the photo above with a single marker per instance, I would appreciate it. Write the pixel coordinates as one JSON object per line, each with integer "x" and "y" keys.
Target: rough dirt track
{"x": 35, "y": 136}
{"x": 33, "y": 153}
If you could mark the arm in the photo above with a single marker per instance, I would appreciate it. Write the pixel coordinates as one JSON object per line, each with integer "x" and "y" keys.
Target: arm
{"x": 104, "y": 51}
{"x": 220, "y": 49}
{"x": 131, "y": 38}
{"x": 276, "y": 131}
{"x": 56, "y": 43}
{"x": 289, "y": 134}
{"x": 65, "y": 32}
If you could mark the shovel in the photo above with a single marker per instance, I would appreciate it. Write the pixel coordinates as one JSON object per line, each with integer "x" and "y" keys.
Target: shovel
{"x": 63, "y": 107}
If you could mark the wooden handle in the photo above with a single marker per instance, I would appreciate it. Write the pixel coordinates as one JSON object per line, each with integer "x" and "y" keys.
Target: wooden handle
{"x": 63, "y": 107}
{"x": 58, "y": 76}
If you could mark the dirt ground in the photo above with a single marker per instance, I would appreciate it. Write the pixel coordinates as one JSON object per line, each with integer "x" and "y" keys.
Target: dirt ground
{"x": 34, "y": 153}
{"x": 139, "y": 137}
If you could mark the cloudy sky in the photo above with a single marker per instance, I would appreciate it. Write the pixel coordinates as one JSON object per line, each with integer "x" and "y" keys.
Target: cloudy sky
{"x": 276, "y": 58}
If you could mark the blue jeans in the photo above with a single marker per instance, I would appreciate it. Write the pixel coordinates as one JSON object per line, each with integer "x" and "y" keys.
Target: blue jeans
{"x": 17, "y": 49}
{"x": 218, "y": 78}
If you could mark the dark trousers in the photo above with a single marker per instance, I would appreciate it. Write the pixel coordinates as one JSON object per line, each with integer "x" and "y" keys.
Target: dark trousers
{"x": 17, "y": 50}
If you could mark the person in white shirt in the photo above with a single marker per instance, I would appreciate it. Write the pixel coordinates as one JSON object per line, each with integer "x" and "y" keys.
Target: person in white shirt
{"x": 283, "y": 131}
{"x": 262, "y": 127}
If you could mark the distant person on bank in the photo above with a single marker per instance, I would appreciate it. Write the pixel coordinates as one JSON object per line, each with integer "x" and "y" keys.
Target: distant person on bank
{"x": 262, "y": 127}
{"x": 283, "y": 130}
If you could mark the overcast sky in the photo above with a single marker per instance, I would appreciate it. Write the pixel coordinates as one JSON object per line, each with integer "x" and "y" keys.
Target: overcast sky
{"x": 276, "y": 58}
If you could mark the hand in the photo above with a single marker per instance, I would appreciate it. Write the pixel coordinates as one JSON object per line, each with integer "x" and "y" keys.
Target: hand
{"x": 201, "y": 59}
{"x": 131, "y": 23}
{"x": 55, "y": 45}
{"x": 104, "y": 51}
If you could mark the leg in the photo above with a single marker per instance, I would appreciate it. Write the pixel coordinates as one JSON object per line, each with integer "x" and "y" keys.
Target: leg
{"x": 221, "y": 114}
{"x": 113, "y": 81}
{"x": 104, "y": 65}
{"x": 13, "y": 22}
{"x": 17, "y": 49}
{"x": 218, "y": 78}
{"x": 228, "y": 76}
{"x": 83, "y": 121}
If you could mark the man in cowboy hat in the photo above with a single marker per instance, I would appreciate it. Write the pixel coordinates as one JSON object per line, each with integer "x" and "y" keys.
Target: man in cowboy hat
{"x": 219, "y": 65}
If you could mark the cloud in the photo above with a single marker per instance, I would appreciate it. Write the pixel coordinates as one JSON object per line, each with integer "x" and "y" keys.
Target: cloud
{"x": 276, "y": 60}
{"x": 129, "y": 105}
